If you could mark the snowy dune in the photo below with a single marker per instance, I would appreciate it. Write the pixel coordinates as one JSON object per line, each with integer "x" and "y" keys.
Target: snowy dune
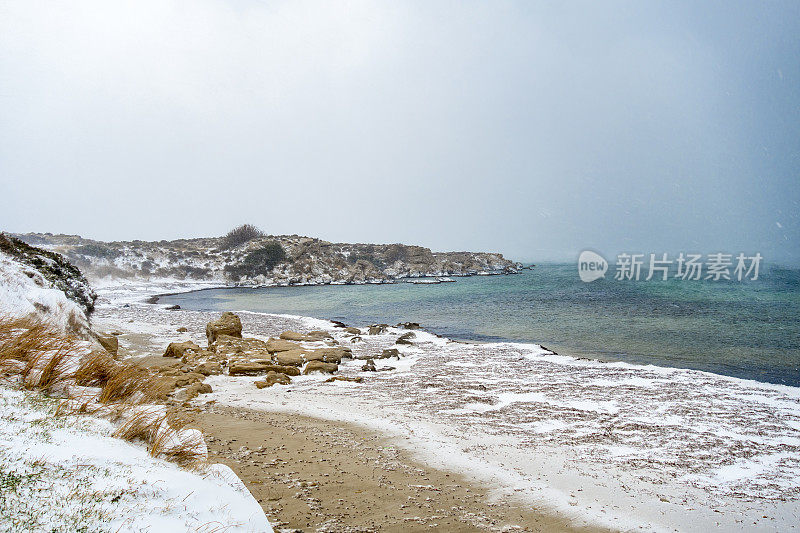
{"x": 67, "y": 473}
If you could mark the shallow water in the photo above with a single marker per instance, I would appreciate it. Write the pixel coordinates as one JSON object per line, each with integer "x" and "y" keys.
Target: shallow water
{"x": 743, "y": 329}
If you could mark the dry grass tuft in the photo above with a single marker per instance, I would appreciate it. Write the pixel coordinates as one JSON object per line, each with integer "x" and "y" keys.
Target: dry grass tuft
{"x": 175, "y": 444}
{"x": 142, "y": 424}
{"x": 35, "y": 351}
{"x": 162, "y": 432}
{"x": 95, "y": 369}
{"x": 45, "y": 358}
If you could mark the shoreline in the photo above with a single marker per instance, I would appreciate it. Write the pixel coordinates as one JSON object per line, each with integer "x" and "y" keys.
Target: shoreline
{"x": 223, "y": 285}
{"x": 503, "y": 466}
{"x": 596, "y": 355}
{"x": 317, "y": 474}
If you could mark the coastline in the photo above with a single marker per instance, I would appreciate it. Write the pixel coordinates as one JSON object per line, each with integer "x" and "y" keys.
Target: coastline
{"x": 551, "y": 480}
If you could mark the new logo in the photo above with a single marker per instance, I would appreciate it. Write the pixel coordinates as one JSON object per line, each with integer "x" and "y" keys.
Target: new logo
{"x": 591, "y": 266}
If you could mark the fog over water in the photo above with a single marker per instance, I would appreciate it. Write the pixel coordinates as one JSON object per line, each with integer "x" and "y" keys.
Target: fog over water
{"x": 528, "y": 128}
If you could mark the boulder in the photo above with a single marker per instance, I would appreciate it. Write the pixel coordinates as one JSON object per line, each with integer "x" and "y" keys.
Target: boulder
{"x": 254, "y": 368}
{"x": 405, "y": 338}
{"x": 291, "y": 357}
{"x": 186, "y": 379}
{"x": 385, "y": 354}
{"x": 408, "y": 325}
{"x": 175, "y": 307}
{"x": 209, "y": 368}
{"x": 343, "y": 378}
{"x": 353, "y": 331}
{"x": 338, "y": 324}
{"x": 200, "y": 388}
{"x": 377, "y": 329}
{"x": 329, "y": 355}
{"x": 356, "y": 339}
{"x": 311, "y": 336}
{"x": 193, "y": 390}
{"x": 227, "y": 324}
{"x": 288, "y": 370}
{"x": 109, "y": 342}
{"x": 179, "y": 349}
{"x": 228, "y": 347}
{"x": 191, "y": 357}
{"x": 369, "y": 366}
{"x": 292, "y": 336}
{"x": 319, "y": 366}
{"x": 281, "y": 345}
{"x": 272, "y": 378}
{"x": 181, "y": 330}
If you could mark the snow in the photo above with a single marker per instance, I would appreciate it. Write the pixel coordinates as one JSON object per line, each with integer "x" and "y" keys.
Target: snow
{"x": 23, "y": 291}
{"x": 67, "y": 472}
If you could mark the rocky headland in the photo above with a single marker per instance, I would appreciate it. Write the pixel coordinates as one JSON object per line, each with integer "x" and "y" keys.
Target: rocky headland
{"x": 255, "y": 259}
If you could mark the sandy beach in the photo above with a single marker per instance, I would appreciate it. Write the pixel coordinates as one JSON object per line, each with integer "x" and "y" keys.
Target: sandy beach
{"x": 316, "y": 475}
{"x": 585, "y": 445}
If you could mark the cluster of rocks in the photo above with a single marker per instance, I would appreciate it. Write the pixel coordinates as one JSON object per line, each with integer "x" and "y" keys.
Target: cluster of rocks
{"x": 276, "y": 359}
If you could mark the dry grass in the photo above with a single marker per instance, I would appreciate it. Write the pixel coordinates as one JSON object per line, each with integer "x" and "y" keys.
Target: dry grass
{"x": 35, "y": 351}
{"x": 174, "y": 445}
{"x": 161, "y": 432}
{"x": 142, "y": 424}
{"x": 95, "y": 369}
{"x": 44, "y": 358}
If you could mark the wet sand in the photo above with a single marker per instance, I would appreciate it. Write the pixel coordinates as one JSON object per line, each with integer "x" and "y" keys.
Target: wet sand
{"x": 315, "y": 475}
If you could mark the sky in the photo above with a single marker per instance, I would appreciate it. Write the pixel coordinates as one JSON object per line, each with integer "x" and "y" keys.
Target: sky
{"x": 535, "y": 129}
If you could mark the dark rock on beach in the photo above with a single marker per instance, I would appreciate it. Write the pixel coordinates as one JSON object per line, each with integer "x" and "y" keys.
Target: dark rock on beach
{"x": 378, "y": 329}
{"x": 405, "y": 338}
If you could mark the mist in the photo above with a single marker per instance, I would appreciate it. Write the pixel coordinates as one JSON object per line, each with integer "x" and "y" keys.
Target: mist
{"x": 527, "y": 128}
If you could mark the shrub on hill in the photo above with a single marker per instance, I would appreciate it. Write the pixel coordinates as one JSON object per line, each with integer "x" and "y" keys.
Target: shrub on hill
{"x": 240, "y": 235}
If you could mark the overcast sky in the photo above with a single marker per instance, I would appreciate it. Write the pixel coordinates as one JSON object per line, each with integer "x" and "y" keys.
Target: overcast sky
{"x": 536, "y": 129}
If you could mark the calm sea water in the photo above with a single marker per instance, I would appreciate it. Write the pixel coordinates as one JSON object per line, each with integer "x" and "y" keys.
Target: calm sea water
{"x": 744, "y": 329}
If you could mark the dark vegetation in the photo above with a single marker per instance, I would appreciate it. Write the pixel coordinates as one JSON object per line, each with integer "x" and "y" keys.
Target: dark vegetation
{"x": 240, "y": 235}
{"x": 354, "y": 258}
{"x": 257, "y": 262}
{"x": 396, "y": 252}
{"x": 97, "y": 250}
{"x": 54, "y": 268}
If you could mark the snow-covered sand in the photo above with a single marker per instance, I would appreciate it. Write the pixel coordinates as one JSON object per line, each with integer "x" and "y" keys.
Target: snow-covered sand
{"x": 604, "y": 443}
{"x": 67, "y": 473}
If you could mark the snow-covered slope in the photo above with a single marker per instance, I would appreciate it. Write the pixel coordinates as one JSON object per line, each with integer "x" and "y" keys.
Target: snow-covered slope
{"x": 66, "y": 473}
{"x": 25, "y": 291}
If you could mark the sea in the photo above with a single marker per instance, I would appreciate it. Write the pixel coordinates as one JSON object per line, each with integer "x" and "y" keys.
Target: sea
{"x": 745, "y": 329}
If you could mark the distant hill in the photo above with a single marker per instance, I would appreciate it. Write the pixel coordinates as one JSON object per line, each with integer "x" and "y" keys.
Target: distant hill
{"x": 265, "y": 260}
